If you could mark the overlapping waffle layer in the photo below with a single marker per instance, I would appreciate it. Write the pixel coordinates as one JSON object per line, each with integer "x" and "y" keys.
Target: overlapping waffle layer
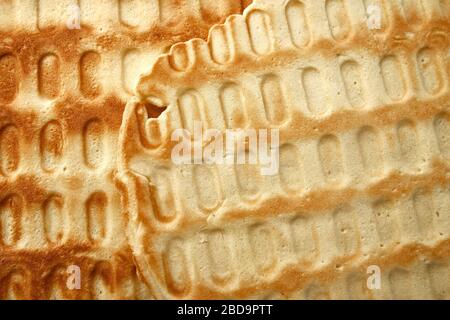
{"x": 364, "y": 123}
{"x": 62, "y": 93}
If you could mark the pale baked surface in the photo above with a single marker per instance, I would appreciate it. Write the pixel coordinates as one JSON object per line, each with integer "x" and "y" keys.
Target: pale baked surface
{"x": 62, "y": 94}
{"x": 364, "y": 159}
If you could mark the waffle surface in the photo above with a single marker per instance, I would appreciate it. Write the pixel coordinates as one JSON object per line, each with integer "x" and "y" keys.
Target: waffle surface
{"x": 364, "y": 156}
{"x": 62, "y": 94}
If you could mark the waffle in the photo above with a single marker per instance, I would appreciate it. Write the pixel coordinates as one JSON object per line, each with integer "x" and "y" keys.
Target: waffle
{"x": 66, "y": 69}
{"x": 363, "y": 181}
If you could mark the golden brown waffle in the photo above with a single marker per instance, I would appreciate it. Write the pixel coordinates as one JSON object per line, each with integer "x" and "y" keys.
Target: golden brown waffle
{"x": 364, "y": 123}
{"x": 62, "y": 94}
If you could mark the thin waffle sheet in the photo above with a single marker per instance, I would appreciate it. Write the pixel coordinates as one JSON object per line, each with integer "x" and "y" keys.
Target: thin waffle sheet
{"x": 66, "y": 70}
{"x": 364, "y": 153}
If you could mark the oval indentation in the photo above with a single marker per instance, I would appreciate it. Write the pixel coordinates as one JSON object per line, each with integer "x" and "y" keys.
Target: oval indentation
{"x": 376, "y": 14}
{"x": 386, "y": 220}
{"x": 429, "y": 71}
{"x": 330, "y": 155}
{"x": 290, "y": 168}
{"x": 101, "y": 280}
{"x": 338, "y": 20}
{"x": 189, "y": 106}
{"x": 371, "y": 151}
{"x": 407, "y": 136}
{"x": 11, "y": 213}
{"x": 54, "y": 219}
{"x": 178, "y": 58}
{"x": 303, "y": 239}
{"x": 51, "y": 145}
{"x": 423, "y": 207}
{"x": 392, "y": 74}
{"x": 297, "y": 23}
{"x": 49, "y": 76}
{"x": 89, "y": 67}
{"x": 218, "y": 44}
{"x": 178, "y": 280}
{"x": 152, "y": 133}
{"x": 220, "y": 257}
{"x": 438, "y": 274}
{"x": 17, "y": 286}
{"x": 249, "y": 180}
{"x": 263, "y": 248}
{"x": 134, "y": 13}
{"x": 162, "y": 196}
{"x": 274, "y": 102}
{"x": 233, "y": 107}
{"x": 258, "y": 23}
{"x": 399, "y": 279}
{"x": 96, "y": 214}
{"x": 9, "y": 150}
{"x": 93, "y": 143}
{"x": 354, "y": 88}
{"x": 207, "y": 187}
{"x": 442, "y": 131}
{"x": 314, "y": 91}
{"x": 347, "y": 237}
{"x": 9, "y": 80}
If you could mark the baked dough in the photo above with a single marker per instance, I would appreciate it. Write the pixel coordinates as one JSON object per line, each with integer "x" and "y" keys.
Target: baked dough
{"x": 62, "y": 95}
{"x": 363, "y": 181}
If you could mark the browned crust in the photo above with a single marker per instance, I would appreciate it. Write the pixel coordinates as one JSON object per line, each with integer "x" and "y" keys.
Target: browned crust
{"x": 300, "y": 126}
{"x": 394, "y": 186}
{"x": 45, "y": 269}
{"x": 434, "y": 34}
{"x": 29, "y": 46}
{"x": 165, "y": 80}
{"x": 293, "y": 279}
